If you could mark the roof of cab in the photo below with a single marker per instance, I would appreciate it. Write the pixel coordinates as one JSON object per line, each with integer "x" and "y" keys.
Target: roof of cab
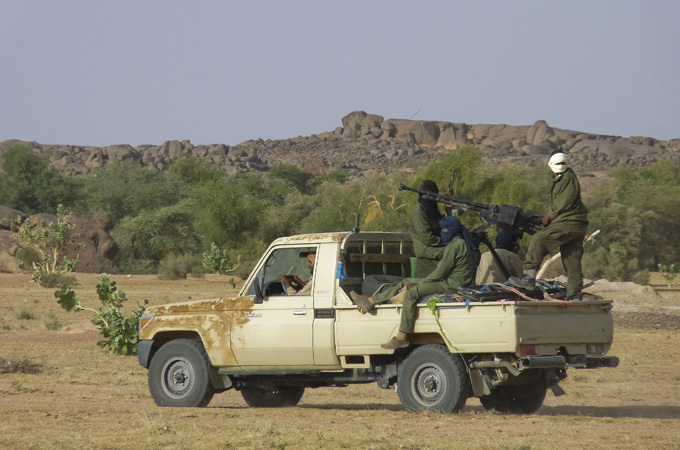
{"x": 319, "y": 238}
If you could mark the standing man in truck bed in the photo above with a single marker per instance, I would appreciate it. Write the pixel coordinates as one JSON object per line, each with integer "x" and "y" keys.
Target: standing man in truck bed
{"x": 566, "y": 225}
{"x": 456, "y": 268}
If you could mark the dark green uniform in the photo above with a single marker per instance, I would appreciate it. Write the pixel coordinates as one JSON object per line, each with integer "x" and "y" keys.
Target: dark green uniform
{"x": 456, "y": 268}
{"x": 427, "y": 243}
{"x": 567, "y": 230}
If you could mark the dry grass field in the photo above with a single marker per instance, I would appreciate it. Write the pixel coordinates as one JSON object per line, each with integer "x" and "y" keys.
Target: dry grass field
{"x": 82, "y": 397}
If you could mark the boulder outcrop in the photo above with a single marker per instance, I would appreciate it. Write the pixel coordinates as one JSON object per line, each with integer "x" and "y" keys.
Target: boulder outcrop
{"x": 368, "y": 142}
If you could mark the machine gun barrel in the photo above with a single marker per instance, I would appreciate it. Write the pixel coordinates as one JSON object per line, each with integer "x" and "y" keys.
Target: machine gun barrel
{"x": 506, "y": 217}
{"x": 450, "y": 201}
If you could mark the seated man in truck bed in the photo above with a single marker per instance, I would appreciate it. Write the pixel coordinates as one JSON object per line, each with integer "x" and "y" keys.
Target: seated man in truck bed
{"x": 456, "y": 269}
{"x": 507, "y": 249}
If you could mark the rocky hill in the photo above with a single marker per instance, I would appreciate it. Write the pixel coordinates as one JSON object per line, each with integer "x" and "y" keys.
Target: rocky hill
{"x": 369, "y": 143}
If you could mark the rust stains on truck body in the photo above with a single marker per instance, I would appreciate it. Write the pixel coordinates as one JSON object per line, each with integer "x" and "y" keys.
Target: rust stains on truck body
{"x": 211, "y": 319}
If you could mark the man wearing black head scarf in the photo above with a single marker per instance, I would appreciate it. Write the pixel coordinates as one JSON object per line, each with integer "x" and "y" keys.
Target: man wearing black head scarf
{"x": 423, "y": 224}
{"x": 456, "y": 269}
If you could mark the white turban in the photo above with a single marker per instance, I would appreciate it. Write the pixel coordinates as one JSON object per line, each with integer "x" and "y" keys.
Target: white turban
{"x": 558, "y": 162}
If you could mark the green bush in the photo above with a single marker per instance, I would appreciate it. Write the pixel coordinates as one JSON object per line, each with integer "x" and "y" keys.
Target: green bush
{"x": 138, "y": 266}
{"x": 217, "y": 260}
{"x": 120, "y": 332}
{"x": 642, "y": 277}
{"x": 25, "y": 315}
{"x": 49, "y": 240}
{"x": 26, "y": 256}
{"x": 52, "y": 322}
{"x": 125, "y": 189}
{"x": 178, "y": 267}
{"x": 157, "y": 233}
{"x": 29, "y": 184}
{"x": 54, "y": 280}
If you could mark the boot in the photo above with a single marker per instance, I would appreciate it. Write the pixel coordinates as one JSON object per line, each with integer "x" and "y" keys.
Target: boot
{"x": 394, "y": 344}
{"x": 526, "y": 282}
{"x": 363, "y": 302}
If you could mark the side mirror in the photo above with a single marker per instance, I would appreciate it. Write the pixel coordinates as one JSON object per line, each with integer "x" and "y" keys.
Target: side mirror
{"x": 259, "y": 298}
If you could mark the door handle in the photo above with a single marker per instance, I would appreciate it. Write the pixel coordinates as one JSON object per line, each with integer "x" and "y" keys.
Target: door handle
{"x": 300, "y": 313}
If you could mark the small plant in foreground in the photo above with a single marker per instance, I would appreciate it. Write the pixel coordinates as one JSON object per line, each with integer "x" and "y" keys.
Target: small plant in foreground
{"x": 121, "y": 333}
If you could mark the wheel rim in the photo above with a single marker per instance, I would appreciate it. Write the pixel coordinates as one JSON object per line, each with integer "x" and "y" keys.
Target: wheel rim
{"x": 429, "y": 384}
{"x": 178, "y": 377}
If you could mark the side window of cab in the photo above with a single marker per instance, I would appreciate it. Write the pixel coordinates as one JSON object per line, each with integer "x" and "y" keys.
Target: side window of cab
{"x": 287, "y": 271}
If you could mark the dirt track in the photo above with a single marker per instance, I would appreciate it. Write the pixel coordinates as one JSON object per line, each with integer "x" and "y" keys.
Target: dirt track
{"x": 85, "y": 398}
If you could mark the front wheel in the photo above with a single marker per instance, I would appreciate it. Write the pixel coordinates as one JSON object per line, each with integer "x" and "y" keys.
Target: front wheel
{"x": 278, "y": 397}
{"x": 433, "y": 379}
{"x": 179, "y": 376}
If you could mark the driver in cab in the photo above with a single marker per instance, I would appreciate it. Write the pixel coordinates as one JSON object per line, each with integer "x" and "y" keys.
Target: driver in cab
{"x": 294, "y": 285}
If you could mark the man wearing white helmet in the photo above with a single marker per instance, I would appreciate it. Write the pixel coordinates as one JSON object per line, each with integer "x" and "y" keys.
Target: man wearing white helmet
{"x": 565, "y": 229}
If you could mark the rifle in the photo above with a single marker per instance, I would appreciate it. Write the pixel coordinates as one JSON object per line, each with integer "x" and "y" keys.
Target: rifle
{"x": 507, "y": 217}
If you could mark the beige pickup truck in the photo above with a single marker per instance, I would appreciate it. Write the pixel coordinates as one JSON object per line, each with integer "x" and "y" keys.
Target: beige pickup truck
{"x": 270, "y": 346}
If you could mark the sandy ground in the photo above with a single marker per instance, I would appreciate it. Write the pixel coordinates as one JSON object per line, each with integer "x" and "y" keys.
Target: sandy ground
{"x": 83, "y": 397}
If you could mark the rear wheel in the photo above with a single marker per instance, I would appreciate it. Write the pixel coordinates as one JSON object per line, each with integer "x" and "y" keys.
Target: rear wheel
{"x": 525, "y": 399}
{"x": 434, "y": 379}
{"x": 179, "y": 376}
{"x": 272, "y": 398}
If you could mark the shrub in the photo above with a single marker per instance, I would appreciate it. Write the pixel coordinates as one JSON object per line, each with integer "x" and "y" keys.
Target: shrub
{"x": 217, "y": 260}
{"x": 19, "y": 366}
{"x": 52, "y": 322}
{"x": 121, "y": 333}
{"x": 176, "y": 267}
{"x": 54, "y": 280}
{"x": 29, "y": 184}
{"x": 25, "y": 315}
{"x": 26, "y": 257}
{"x": 139, "y": 266}
{"x": 642, "y": 277}
{"x": 155, "y": 234}
{"x": 49, "y": 240}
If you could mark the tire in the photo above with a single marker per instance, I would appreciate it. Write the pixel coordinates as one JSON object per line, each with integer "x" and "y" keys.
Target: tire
{"x": 179, "y": 375}
{"x": 279, "y": 397}
{"x": 433, "y": 379}
{"x": 515, "y": 399}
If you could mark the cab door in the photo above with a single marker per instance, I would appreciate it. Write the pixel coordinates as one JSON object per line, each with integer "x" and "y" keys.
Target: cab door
{"x": 278, "y": 331}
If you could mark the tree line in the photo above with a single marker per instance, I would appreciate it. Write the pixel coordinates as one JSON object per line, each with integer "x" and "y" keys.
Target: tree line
{"x": 192, "y": 209}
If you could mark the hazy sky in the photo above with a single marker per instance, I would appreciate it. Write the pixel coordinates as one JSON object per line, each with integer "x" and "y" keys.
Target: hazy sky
{"x": 142, "y": 72}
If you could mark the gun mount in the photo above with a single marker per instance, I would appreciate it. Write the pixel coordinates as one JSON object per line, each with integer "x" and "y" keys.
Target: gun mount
{"x": 505, "y": 217}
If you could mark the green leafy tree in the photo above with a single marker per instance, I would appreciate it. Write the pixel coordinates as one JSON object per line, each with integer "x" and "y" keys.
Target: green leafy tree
{"x": 155, "y": 234}
{"x": 294, "y": 175}
{"x": 194, "y": 171}
{"x": 123, "y": 189}
{"x": 121, "y": 333}
{"x": 638, "y": 212}
{"x": 29, "y": 184}
{"x": 49, "y": 240}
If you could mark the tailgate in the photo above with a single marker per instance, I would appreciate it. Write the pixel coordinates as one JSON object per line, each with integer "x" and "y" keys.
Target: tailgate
{"x": 547, "y": 328}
